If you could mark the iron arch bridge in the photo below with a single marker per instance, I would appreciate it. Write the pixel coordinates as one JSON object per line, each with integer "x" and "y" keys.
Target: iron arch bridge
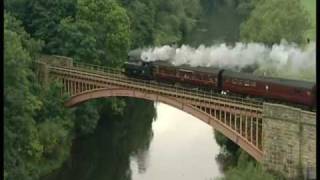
{"x": 238, "y": 119}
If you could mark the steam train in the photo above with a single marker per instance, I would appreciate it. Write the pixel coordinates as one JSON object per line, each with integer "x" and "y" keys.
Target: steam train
{"x": 222, "y": 80}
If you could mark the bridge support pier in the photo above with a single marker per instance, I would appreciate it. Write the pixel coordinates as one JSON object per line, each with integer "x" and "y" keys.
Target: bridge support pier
{"x": 289, "y": 141}
{"x": 43, "y": 73}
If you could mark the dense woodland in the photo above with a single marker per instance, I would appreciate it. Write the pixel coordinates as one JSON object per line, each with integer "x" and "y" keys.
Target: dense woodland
{"x": 38, "y": 130}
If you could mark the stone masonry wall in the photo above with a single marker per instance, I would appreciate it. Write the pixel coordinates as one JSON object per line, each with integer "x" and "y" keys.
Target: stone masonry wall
{"x": 42, "y": 73}
{"x": 289, "y": 141}
{"x": 308, "y": 144}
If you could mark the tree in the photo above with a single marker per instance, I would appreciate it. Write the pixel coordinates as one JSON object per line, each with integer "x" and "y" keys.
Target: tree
{"x": 248, "y": 171}
{"x": 87, "y": 118}
{"x": 77, "y": 40}
{"x": 222, "y": 140}
{"x": 37, "y": 128}
{"x": 244, "y": 7}
{"x": 274, "y": 20}
{"x": 41, "y": 18}
{"x": 22, "y": 146}
{"x": 142, "y": 21}
{"x": 111, "y": 29}
{"x": 174, "y": 20}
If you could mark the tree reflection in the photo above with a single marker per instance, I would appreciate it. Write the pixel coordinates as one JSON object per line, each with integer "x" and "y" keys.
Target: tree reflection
{"x": 142, "y": 157}
{"x": 106, "y": 153}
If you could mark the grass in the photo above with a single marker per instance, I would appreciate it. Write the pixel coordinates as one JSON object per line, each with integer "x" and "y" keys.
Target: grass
{"x": 310, "y": 6}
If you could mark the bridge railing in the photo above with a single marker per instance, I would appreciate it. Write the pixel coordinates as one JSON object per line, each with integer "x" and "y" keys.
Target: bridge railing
{"x": 95, "y": 68}
{"x": 117, "y": 74}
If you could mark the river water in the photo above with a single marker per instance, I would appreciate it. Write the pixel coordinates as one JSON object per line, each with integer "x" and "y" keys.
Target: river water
{"x": 151, "y": 142}
{"x": 183, "y": 147}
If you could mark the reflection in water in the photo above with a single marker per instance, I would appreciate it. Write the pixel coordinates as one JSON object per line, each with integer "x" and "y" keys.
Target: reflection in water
{"x": 182, "y": 147}
{"x": 105, "y": 155}
{"x": 142, "y": 160}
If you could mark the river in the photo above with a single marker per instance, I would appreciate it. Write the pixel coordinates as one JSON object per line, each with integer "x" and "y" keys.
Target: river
{"x": 170, "y": 145}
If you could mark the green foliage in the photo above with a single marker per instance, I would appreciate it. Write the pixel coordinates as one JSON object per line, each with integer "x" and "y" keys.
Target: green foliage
{"x": 142, "y": 21}
{"x": 310, "y": 6}
{"x": 274, "y": 20}
{"x": 246, "y": 168}
{"x": 77, "y": 40}
{"x": 102, "y": 31}
{"x": 229, "y": 153}
{"x": 112, "y": 106}
{"x": 92, "y": 30}
{"x": 208, "y": 5}
{"x": 139, "y": 115}
{"x": 20, "y": 133}
{"x": 56, "y": 142}
{"x": 52, "y": 135}
{"x": 52, "y": 99}
{"x": 36, "y": 125}
{"x": 249, "y": 171}
{"x": 174, "y": 20}
{"x": 223, "y": 141}
{"x": 219, "y": 22}
{"x": 112, "y": 145}
{"x": 244, "y": 158}
{"x": 244, "y": 7}
{"x": 158, "y": 22}
{"x": 117, "y": 105}
{"x": 238, "y": 164}
{"x": 98, "y": 33}
{"x": 41, "y": 18}
{"x": 87, "y": 118}
{"x": 111, "y": 29}
{"x": 38, "y": 129}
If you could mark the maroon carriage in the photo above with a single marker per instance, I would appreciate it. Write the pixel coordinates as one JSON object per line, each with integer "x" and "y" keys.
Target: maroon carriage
{"x": 293, "y": 91}
{"x": 197, "y": 76}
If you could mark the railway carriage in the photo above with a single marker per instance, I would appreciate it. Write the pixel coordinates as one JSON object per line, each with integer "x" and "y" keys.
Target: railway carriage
{"x": 294, "y": 91}
{"x": 184, "y": 74}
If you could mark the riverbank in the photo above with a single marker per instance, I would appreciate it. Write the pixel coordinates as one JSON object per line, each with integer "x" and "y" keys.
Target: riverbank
{"x": 239, "y": 165}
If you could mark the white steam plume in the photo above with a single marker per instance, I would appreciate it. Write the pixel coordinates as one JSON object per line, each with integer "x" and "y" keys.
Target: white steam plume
{"x": 281, "y": 60}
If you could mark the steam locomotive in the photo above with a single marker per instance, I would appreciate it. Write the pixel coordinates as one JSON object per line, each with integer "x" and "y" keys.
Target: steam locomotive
{"x": 222, "y": 80}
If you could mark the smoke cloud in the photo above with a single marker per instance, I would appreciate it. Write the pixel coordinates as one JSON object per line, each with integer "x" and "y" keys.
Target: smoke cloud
{"x": 281, "y": 60}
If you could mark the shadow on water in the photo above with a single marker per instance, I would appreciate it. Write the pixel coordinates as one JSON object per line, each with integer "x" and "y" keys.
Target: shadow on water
{"x": 106, "y": 153}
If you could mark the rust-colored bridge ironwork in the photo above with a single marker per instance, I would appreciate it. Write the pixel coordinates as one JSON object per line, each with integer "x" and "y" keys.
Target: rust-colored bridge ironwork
{"x": 237, "y": 118}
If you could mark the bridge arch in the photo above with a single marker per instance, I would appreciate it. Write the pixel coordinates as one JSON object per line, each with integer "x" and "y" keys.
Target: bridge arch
{"x": 210, "y": 120}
